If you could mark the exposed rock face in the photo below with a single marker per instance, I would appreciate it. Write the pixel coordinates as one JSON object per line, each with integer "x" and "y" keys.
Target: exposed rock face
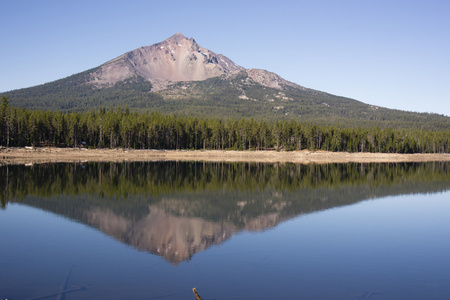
{"x": 178, "y": 59}
{"x": 175, "y": 59}
{"x": 271, "y": 80}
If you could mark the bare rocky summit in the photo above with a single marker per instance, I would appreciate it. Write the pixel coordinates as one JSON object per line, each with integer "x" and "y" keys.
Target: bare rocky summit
{"x": 175, "y": 59}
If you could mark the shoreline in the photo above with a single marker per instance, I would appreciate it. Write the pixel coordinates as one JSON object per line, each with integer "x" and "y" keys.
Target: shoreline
{"x": 30, "y": 155}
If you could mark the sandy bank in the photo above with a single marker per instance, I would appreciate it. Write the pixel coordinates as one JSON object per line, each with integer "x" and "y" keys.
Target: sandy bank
{"x": 49, "y": 155}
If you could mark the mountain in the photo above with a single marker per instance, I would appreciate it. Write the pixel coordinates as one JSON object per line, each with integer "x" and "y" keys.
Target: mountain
{"x": 178, "y": 76}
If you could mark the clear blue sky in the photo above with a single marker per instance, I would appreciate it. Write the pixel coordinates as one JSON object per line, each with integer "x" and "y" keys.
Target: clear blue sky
{"x": 388, "y": 53}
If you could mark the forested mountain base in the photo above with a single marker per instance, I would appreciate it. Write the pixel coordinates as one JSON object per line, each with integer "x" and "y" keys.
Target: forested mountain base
{"x": 232, "y": 97}
{"x": 152, "y": 130}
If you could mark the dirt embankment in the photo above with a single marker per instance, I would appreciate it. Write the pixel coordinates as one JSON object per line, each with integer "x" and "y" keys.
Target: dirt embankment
{"x": 49, "y": 155}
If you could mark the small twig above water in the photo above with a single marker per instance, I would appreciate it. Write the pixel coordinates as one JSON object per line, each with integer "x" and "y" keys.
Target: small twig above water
{"x": 194, "y": 290}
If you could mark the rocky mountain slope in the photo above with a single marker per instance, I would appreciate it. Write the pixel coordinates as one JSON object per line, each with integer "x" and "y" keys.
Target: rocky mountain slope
{"x": 175, "y": 59}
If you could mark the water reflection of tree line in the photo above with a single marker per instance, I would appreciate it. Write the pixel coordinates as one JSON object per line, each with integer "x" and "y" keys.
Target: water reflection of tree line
{"x": 120, "y": 180}
{"x": 177, "y": 209}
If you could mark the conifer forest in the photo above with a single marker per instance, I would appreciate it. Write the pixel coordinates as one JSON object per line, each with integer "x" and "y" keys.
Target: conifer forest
{"x": 119, "y": 127}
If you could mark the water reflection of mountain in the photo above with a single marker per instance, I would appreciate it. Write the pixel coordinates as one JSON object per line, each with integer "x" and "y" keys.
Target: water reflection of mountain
{"x": 177, "y": 209}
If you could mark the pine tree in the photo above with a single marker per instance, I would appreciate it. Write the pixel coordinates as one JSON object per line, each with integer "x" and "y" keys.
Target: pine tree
{"x": 5, "y": 120}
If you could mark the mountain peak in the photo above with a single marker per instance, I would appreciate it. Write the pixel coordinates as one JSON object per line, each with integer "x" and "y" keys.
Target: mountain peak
{"x": 172, "y": 60}
{"x": 176, "y": 37}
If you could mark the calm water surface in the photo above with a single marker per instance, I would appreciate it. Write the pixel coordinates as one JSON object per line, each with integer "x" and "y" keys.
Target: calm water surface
{"x": 233, "y": 231}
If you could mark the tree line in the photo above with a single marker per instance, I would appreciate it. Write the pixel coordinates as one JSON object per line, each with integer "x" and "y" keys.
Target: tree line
{"x": 117, "y": 127}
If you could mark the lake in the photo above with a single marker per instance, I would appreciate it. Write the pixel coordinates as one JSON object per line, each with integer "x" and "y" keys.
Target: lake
{"x": 155, "y": 230}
